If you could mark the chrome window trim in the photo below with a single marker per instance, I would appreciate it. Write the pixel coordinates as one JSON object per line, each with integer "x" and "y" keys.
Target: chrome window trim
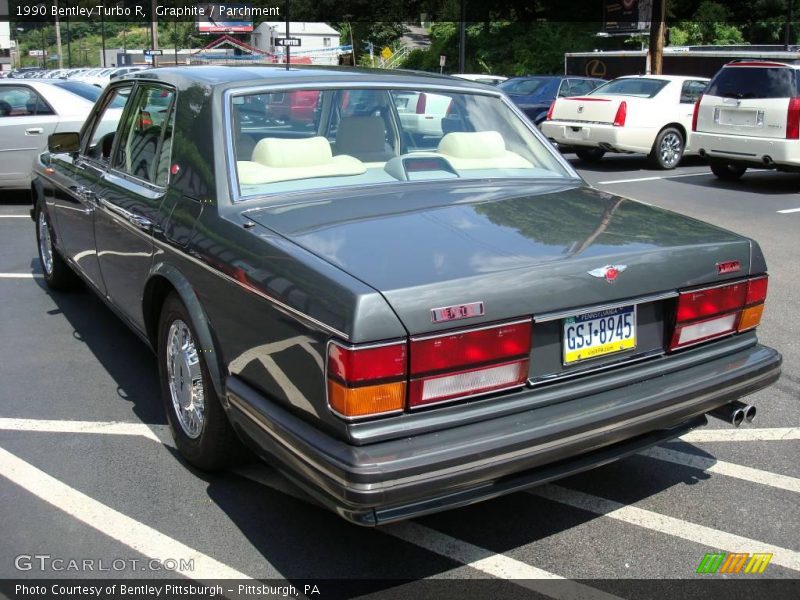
{"x": 227, "y": 119}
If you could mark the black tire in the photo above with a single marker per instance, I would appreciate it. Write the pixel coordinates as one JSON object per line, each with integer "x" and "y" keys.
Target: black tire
{"x": 590, "y": 155}
{"x": 214, "y": 445}
{"x": 668, "y": 149}
{"x": 57, "y": 273}
{"x": 727, "y": 171}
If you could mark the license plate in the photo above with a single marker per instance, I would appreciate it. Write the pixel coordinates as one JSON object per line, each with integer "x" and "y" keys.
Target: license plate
{"x": 599, "y": 333}
{"x": 741, "y": 118}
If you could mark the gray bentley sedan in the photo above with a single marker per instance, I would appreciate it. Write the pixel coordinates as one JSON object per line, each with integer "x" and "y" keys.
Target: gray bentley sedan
{"x": 390, "y": 286}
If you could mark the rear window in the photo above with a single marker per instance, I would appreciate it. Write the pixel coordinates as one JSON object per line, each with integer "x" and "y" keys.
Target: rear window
{"x": 634, "y": 86}
{"x": 525, "y": 86}
{"x": 754, "y": 82}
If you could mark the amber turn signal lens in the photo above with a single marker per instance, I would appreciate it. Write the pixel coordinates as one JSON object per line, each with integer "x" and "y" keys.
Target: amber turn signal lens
{"x": 366, "y": 400}
{"x": 751, "y": 317}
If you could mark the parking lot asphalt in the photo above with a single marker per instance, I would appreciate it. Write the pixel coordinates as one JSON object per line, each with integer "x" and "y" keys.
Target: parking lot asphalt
{"x": 88, "y": 469}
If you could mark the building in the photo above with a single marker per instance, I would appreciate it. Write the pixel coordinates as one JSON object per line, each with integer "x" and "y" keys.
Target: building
{"x": 5, "y": 39}
{"x": 319, "y": 42}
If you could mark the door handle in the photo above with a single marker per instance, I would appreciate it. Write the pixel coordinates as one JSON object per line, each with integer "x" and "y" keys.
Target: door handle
{"x": 34, "y": 131}
{"x": 141, "y": 222}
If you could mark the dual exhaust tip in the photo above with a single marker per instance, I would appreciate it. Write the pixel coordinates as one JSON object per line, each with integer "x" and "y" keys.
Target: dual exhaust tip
{"x": 735, "y": 413}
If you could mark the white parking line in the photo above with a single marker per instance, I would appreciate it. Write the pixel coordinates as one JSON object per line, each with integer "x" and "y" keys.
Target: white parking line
{"x": 613, "y": 181}
{"x": 653, "y": 521}
{"x": 114, "y": 524}
{"x": 711, "y": 465}
{"x": 21, "y": 276}
{"x": 772, "y": 434}
{"x": 470, "y": 555}
{"x": 15, "y": 216}
{"x": 789, "y": 210}
{"x": 102, "y": 427}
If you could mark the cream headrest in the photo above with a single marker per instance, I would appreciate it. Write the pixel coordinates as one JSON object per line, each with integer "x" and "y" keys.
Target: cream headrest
{"x": 473, "y": 144}
{"x": 305, "y": 152}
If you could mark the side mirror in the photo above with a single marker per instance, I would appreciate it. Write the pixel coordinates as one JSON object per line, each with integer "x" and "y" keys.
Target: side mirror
{"x": 64, "y": 142}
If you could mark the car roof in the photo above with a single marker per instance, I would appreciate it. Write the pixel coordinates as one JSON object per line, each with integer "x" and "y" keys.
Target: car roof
{"x": 225, "y": 76}
{"x": 665, "y": 77}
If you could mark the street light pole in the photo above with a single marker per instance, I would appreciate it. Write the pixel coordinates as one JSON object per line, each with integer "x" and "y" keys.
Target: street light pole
{"x": 462, "y": 38}
{"x": 58, "y": 38}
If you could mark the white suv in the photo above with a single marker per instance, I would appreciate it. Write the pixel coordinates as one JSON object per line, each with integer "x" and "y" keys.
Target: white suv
{"x": 749, "y": 116}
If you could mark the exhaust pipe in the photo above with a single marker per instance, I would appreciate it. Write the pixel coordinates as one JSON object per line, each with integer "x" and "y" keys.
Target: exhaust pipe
{"x": 749, "y": 413}
{"x": 702, "y": 152}
{"x": 734, "y": 413}
{"x": 767, "y": 160}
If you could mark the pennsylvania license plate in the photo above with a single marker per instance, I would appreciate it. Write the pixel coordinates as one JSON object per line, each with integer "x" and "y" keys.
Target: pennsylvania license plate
{"x": 599, "y": 333}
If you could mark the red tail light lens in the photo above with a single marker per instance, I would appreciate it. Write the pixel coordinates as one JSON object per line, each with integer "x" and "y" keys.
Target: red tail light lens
{"x": 711, "y": 313}
{"x": 467, "y": 363}
{"x": 422, "y": 101}
{"x": 366, "y": 381}
{"x": 622, "y": 114}
{"x": 793, "y": 119}
{"x": 696, "y": 113}
{"x": 549, "y": 116}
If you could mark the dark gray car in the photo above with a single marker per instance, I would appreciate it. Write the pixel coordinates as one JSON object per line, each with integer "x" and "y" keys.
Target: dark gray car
{"x": 401, "y": 323}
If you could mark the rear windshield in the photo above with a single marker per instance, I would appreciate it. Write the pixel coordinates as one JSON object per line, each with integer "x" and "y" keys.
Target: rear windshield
{"x": 634, "y": 86}
{"x": 313, "y": 139}
{"x": 754, "y": 82}
{"x": 525, "y": 86}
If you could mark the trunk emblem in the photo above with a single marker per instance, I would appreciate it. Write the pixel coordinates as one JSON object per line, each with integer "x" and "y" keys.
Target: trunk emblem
{"x": 580, "y": 108}
{"x": 730, "y": 266}
{"x": 457, "y": 311}
{"x": 609, "y": 272}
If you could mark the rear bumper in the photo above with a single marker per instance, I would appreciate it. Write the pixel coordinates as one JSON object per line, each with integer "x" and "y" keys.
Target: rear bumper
{"x": 402, "y": 478}
{"x": 747, "y": 150}
{"x": 599, "y": 135}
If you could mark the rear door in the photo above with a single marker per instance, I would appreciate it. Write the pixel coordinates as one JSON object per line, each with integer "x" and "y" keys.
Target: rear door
{"x": 748, "y": 99}
{"x": 25, "y": 122}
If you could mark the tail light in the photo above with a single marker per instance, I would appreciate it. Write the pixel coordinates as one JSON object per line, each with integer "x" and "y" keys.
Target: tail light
{"x": 549, "y": 116}
{"x": 374, "y": 380}
{"x": 622, "y": 114}
{"x": 368, "y": 380}
{"x": 455, "y": 365}
{"x": 696, "y": 113}
{"x": 422, "y": 100}
{"x": 714, "y": 312}
{"x": 793, "y": 119}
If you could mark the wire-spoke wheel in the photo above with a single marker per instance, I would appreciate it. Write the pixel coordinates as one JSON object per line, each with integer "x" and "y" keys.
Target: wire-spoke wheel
{"x": 668, "y": 149}
{"x": 197, "y": 420}
{"x": 57, "y": 273}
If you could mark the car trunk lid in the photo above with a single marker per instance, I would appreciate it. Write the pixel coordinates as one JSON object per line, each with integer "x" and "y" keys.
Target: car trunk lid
{"x": 521, "y": 250}
{"x": 596, "y": 108}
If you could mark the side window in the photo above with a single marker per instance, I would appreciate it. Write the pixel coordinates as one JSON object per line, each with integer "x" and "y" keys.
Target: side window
{"x": 691, "y": 90}
{"x": 565, "y": 89}
{"x": 104, "y": 128}
{"x": 22, "y": 101}
{"x": 146, "y": 130}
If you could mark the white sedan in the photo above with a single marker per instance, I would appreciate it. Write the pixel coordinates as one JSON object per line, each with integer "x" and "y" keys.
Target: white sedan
{"x": 30, "y": 110}
{"x": 644, "y": 114}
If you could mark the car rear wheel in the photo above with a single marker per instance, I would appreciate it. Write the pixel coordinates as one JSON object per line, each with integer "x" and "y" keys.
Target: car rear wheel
{"x": 727, "y": 171}
{"x": 590, "y": 155}
{"x": 57, "y": 273}
{"x": 668, "y": 149}
{"x": 196, "y": 418}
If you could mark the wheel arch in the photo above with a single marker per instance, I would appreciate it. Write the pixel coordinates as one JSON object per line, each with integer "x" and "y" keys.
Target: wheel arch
{"x": 681, "y": 129}
{"x": 165, "y": 279}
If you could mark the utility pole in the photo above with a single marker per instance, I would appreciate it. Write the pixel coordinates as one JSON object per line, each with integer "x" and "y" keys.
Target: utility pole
{"x": 58, "y": 39}
{"x": 787, "y": 29}
{"x": 286, "y": 49}
{"x": 103, "y": 38}
{"x": 69, "y": 46}
{"x": 153, "y": 32}
{"x": 655, "y": 51}
{"x": 462, "y": 38}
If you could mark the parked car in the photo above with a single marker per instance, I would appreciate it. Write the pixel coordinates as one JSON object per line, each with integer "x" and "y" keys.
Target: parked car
{"x": 644, "y": 114}
{"x": 30, "y": 110}
{"x": 481, "y": 78}
{"x": 749, "y": 117}
{"x": 296, "y": 107}
{"x": 421, "y": 114}
{"x": 535, "y": 93}
{"x": 400, "y": 334}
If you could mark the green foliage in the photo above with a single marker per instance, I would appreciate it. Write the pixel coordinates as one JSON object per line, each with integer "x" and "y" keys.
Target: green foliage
{"x": 710, "y": 24}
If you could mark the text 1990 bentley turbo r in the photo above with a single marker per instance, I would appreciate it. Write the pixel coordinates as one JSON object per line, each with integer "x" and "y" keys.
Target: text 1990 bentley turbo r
{"x": 402, "y": 322}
